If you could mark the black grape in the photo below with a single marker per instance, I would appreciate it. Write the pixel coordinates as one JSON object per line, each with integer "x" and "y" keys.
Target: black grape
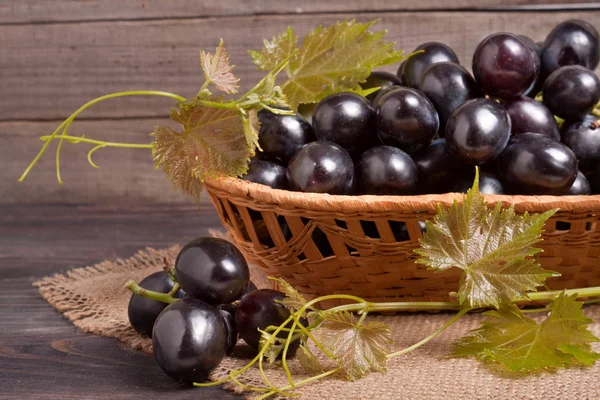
{"x": 437, "y": 168}
{"x": 232, "y": 332}
{"x": 448, "y": 85}
{"x": 572, "y": 42}
{"x": 386, "y": 170}
{"x": 583, "y": 137}
{"x": 504, "y": 66}
{"x": 536, "y": 86}
{"x": 384, "y": 80}
{"x": 478, "y": 131}
{"x": 406, "y": 119}
{"x": 213, "y": 270}
{"x": 259, "y": 310}
{"x": 266, "y": 173}
{"x": 281, "y": 136}
{"x": 534, "y": 164}
{"x": 432, "y": 52}
{"x": 142, "y": 312}
{"x": 571, "y": 92}
{"x": 581, "y": 186}
{"x": 488, "y": 184}
{"x": 529, "y": 115}
{"x": 321, "y": 167}
{"x": 189, "y": 340}
{"x": 346, "y": 119}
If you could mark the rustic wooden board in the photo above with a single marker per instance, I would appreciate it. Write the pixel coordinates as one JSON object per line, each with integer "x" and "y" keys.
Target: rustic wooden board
{"x": 124, "y": 176}
{"x": 42, "y": 355}
{"x": 25, "y": 11}
{"x": 48, "y": 71}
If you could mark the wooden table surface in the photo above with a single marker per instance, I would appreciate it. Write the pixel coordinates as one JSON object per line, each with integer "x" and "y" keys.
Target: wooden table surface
{"x": 43, "y": 356}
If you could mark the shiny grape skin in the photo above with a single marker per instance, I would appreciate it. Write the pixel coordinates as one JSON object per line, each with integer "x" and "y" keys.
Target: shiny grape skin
{"x": 529, "y": 115}
{"x": 266, "y": 173}
{"x": 437, "y": 168}
{"x": 536, "y": 86}
{"x": 534, "y": 164}
{"x": 477, "y": 131}
{"x": 141, "y": 311}
{"x": 386, "y": 170}
{"x": 232, "y": 332}
{"x": 504, "y": 66}
{"x": 281, "y": 136}
{"x": 572, "y": 42}
{"x": 581, "y": 186}
{"x": 448, "y": 85}
{"x": 212, "y": 270}
{"x": 571, "y": 92}
{"x": 488, "y": 184}
{"x": 346, "y": 119}
{"x": 381, "y": 79}
{"x": 189, "y": 340}
{"x": 406, "y": 119}
{"x": 583, "y": 137}
{"x": 321, "y": 167}
{"x": 259, "y": 310}
{"x": 433, "y": 52}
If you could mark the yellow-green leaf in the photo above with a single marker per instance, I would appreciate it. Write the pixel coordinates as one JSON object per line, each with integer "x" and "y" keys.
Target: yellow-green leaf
{"x": 217, "y": 70}
{"x": 213, "y": 142}
{"x": 523, "y": 345}
{"x": 308, "y": 360}
{"x": 359, "y": 349}
{"x": 293, "y": 299}
{"x": 494, "y": 248}
{"x": 330, "y": 59}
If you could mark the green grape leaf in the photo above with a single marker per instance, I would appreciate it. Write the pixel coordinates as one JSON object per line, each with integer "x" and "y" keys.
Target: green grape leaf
{"x": 330, "y": 59}
{"x": 281, "y": 47}
{"x": 359, "y": 349}
{"x": 308, "y": 360}
{"x": 523, "y": 345}
{"x": 293, "y": 299}
{"x": 213, "y": 142}
{"x": 494, "y": 248}
{"x": 217, "y": 70}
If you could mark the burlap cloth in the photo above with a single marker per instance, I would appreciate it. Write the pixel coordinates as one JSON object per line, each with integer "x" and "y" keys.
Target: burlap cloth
{"x": 94, "y": 299}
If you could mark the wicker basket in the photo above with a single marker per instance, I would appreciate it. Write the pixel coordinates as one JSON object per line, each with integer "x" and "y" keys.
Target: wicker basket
{"x": 363, "y": 245}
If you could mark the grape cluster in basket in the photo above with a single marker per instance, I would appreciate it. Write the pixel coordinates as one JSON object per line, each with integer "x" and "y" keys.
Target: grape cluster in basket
{"x": 195, "y": 311}
{"x": 526, "y": 117}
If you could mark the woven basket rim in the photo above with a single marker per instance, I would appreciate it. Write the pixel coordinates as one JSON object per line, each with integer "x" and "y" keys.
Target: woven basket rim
{"x": 373, "y": 203}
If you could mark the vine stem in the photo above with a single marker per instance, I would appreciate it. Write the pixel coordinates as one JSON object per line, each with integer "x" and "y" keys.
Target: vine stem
{"x": 65, "y": 124}
{"x": 303, "y": 382}
{"x": 150, "y": 294}
{"x": 452, "y": 320}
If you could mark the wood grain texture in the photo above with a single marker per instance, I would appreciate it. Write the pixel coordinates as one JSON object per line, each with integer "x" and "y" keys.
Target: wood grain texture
{"x": 43, "y": 356}
{"x": 125, "y": 176}
{"x": 48, "y": 71}
{"x": 27, "y": 11}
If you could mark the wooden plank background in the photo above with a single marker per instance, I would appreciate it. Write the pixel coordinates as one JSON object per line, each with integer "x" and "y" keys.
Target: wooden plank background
{"x": 57, "y": 54}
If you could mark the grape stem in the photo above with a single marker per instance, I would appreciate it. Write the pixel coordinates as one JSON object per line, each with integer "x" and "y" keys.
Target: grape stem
{"x": 150, "y": 294}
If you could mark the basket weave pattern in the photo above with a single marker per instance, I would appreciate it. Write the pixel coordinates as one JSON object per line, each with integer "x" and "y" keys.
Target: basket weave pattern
{"x": 324, "y": 244}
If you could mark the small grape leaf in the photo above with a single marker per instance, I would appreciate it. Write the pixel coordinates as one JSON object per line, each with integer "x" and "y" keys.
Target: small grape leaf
{"x": 522, "y": 345}
{"x": 217, "y": 70}
{"x": 275, "y": 347}
{"x": 213, "y": 142}
{"x": 492, "y": 247}
{"x": 293, "y": 299}
{"x": 330, "y": 59}
{"x": 308, "y": 360}
{"x": 359, "y": 349}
